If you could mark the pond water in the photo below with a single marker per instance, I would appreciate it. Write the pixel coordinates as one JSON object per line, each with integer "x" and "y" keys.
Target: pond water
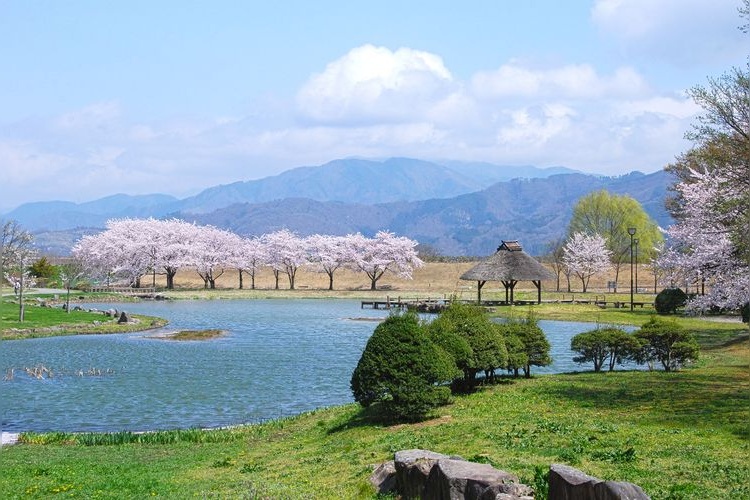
{"x": 278, "y": 358}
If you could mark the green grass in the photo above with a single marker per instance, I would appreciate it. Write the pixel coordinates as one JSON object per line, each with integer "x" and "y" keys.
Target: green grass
{"x": 678, "y": 435}
{"x": 54, "y": 321}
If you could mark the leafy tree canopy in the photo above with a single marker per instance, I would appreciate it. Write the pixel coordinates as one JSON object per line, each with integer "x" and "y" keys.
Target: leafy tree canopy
{"x": 403, "y": 370}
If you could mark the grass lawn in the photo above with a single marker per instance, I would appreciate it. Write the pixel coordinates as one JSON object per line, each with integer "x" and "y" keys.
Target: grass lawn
{"x": 53, "y": 321}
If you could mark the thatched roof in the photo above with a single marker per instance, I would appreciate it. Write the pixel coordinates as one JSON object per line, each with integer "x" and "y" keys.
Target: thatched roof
{"x": 509, "y": 263}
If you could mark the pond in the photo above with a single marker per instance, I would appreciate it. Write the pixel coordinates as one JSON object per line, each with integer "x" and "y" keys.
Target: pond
{"x": 278, "y": 358}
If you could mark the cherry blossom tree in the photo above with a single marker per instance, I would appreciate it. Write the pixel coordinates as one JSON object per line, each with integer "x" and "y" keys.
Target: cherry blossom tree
{"x": 329, "y": 253}
{"x": 14, "y": 242}
{"x": 117, "y": 252}
{"x": 211, "y": 253}
{"x": 702, "y": 247}
{"x": 249, "y": 256}
{"x": 384, "y": 253}
{"x": 586, "y": 255}
{"x": 286, "y": 253}
{"x": 175, "y": 237}
{"x": 710, "y": 243}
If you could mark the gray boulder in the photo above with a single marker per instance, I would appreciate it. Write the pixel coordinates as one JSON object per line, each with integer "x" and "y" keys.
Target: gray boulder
{"x": 383, "y": 478}
{"x": 458, "y": 479}
{"x": 412, "y": 470}
{"x": 124, "y": 318}
{"x": 567, "y": 483}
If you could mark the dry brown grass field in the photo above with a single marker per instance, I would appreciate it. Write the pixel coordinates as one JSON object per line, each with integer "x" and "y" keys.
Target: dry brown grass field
{"x": 435, "y": 279}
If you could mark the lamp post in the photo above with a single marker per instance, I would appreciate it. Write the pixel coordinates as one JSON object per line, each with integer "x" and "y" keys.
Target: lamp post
{"x": 631, "y": 232}
{"x": 636, "y": 264}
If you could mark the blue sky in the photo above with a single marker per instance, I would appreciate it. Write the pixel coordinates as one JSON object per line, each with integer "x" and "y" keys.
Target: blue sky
{"x": 98, "y": 98}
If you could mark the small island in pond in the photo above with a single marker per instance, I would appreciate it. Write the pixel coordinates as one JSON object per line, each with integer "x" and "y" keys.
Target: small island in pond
{"x": 195, "y": 335}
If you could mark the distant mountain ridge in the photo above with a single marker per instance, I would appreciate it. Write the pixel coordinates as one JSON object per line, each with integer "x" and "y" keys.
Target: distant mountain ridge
{"x": 437, "y": 204}
{"x": 535, "y": 211}
{"x": 347, "y": 180}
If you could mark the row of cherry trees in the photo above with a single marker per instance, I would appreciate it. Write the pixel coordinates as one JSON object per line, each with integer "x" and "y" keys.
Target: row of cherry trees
{"x": 131, "y": 248}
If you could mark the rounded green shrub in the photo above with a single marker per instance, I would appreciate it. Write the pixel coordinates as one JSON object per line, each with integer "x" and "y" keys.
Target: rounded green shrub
{"x": 402, "y": 370}
{"x": 669, "y": 299}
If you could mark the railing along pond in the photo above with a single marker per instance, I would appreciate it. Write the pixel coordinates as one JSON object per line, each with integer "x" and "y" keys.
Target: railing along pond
{"x": 124, "y": 290}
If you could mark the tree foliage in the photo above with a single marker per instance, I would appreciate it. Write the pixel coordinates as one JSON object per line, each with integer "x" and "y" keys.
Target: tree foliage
{"x": 603, "y": 346}
{"x": 585, "y": 255}
{"x": 130, "y": 248}
{"x": 666, "y": 342}
{"x": 711, "y": 201}
{"x": 402, "y": 370}
{"x": 536, "y": 347}
{"x": 610, "y": 216}
{"x": 472, "y": 339}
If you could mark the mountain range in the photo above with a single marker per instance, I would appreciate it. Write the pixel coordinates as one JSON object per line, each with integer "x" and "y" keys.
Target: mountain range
{"x": 456, "y": 208}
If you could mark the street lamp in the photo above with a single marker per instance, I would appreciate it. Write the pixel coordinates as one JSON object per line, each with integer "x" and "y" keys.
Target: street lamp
{"x": 636, "y": 264}
{"x": 631, "y": 232}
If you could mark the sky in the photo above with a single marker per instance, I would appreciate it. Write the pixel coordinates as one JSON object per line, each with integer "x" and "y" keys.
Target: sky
{"x": 140, "y": 97}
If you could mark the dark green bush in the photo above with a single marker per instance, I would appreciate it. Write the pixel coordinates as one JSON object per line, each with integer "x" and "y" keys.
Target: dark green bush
{"x": 745, "y": 311}
{"x": 472, "y": 339}
{"x": 666, "y": 342}
{"x": 402, "y": 370}
{"x": 603, "y": 346}
{"x": 669, "y": 299}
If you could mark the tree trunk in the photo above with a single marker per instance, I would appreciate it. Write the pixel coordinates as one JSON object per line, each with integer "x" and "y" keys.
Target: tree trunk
{"x": 276, "y": 276}
{"x": 240, "y": 279}
{"x": 330, "y": 280}
{"x": 20, "y": 297}
{"x": 252, "y": 280}
{"x": 170, "y": 278}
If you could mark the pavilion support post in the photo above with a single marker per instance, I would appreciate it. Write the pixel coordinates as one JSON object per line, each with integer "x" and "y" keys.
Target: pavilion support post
{"x": 509, "y": 286}
{"x": 480, "y": 284}
{"x": 538, "y": 285}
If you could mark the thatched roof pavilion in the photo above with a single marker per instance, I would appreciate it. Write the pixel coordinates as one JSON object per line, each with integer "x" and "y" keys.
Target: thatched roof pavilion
{"x": 509, "y": 265}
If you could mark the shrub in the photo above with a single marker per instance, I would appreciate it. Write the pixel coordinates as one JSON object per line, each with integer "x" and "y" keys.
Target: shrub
{"x": 666, "y": 342}
{"x": 535, "y": 344}
{"x": 517, "y": 357}
{"x": 745, "y": 311}
{"x": 403, "y": 370}
{"x": 669, "y": 299}
{"x": 472, "y": 339}
{"x": 603, "y": 345}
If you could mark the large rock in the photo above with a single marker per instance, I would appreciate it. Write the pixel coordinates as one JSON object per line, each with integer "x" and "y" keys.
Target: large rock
{"x": 458, "y": 479}
{"x": 383, "y": 478}
{"x": 123, "y": 317}
{"x": 567, "y": 483}
{"x": 412, "y": 469}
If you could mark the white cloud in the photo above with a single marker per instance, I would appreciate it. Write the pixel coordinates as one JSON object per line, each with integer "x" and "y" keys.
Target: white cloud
{"x": 373, "y": 85}
{"x": 567, "y": 82}
{"x": 676, "y": 31}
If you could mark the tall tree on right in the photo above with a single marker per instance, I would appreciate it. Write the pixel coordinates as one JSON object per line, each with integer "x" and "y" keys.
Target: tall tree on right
{"x": 711, "y": 239}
